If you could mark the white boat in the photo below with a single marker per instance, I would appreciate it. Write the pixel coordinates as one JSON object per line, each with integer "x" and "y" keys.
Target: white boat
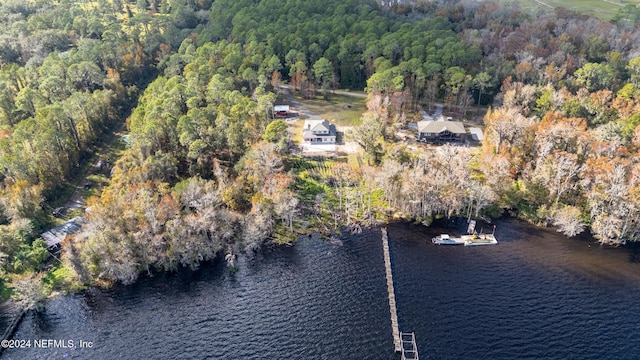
{"x": 444, "y": 239}
{"x": 479, "y": 239}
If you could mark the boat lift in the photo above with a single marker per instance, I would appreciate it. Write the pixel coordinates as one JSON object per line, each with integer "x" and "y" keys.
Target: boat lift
{"x": 409, "y": 347}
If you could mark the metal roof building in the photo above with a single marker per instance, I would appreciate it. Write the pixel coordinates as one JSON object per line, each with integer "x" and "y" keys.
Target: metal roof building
{"x": 277, "y": 108}
{"x": 56, "y": 235}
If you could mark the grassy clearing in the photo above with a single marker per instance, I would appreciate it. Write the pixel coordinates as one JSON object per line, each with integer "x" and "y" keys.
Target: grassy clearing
{"x": 99, "y": 179}
{"x": 313, "y": 188}
{"x": 62, "y": 279}
{"x": 295, "y": 129}
{"x": 353, "y": 161}
{"x": 318, "y": 167}
{"x": 313, "y": 175}
{"x": 341, "y": 110}
{"x": 598, "y": 8}
{"x": 95, "y": 182}
{"x": 333, "y": 206}
{"x": 109, "y": 149}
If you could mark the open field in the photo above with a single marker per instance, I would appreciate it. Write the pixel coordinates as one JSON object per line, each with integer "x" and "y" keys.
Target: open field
{"x": 341, "y": 110}
{"x": 344, "y": 111}
{"x": 598, "y": 8}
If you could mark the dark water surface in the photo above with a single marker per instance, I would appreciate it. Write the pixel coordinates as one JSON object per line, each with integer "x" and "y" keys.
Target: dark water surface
{"x": 536, "y": 295}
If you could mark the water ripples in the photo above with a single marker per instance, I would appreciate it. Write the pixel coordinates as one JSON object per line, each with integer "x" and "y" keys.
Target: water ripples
{"x": 536, "y": 295}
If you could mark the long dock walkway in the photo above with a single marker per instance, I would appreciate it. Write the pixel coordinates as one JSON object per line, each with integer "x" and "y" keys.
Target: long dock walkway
{"x": 397, "y": 341}
{"x": 8, "y": 333}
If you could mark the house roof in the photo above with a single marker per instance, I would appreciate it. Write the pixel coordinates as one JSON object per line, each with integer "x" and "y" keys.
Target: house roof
{"x": 439, "y": 126}
{"x": 312, "y": 127}
{"x": 476, "y": 134}
{"x": 277, "y": 108}
{"x": 58, "y": 234}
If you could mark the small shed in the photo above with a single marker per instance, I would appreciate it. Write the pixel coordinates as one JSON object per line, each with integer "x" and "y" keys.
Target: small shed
{"x": 56, "y": 235}
{"x": 476, "y": 134}
{"x": 281, "y": 110}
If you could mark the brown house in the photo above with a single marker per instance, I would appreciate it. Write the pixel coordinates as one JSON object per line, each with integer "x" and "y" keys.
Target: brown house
{"x": 441, "y": 131}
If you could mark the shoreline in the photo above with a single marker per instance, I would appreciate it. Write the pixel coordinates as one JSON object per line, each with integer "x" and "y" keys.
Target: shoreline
{"x": 454, "y": 224}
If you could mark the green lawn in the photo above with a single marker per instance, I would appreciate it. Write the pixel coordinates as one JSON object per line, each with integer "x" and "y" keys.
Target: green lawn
{"x": 597, "y": 8}
{"x": 341, "y": 110}
{"x": 295, "y": 128}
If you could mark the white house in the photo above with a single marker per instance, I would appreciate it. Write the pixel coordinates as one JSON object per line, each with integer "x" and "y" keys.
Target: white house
{"x": 319, "y": 132}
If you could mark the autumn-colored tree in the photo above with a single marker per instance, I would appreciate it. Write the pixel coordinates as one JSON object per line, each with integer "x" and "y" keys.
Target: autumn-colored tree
{"x": 506, "y": 127}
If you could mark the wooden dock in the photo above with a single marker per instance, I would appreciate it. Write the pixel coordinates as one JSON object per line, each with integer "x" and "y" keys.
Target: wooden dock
{"x": 397, "y": 340}
{"x": 8, "y": 333}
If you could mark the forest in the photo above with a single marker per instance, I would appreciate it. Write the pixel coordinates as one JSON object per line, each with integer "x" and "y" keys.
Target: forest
{"x": 209, "y": 171}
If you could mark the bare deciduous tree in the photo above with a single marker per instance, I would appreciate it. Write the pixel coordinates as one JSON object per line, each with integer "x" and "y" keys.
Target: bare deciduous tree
{"x": 28, "y": 292}
{"x": 568, "y": 220}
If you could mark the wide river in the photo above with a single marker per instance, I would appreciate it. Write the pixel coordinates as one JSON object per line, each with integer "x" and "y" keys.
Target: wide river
{"x": 536, "y": 295}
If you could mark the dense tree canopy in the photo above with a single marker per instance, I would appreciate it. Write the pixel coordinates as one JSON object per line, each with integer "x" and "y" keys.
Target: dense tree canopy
{"x": 69, "y": 74}
{"x": 207, "y": 170}
{"x": 207, "y": 167}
